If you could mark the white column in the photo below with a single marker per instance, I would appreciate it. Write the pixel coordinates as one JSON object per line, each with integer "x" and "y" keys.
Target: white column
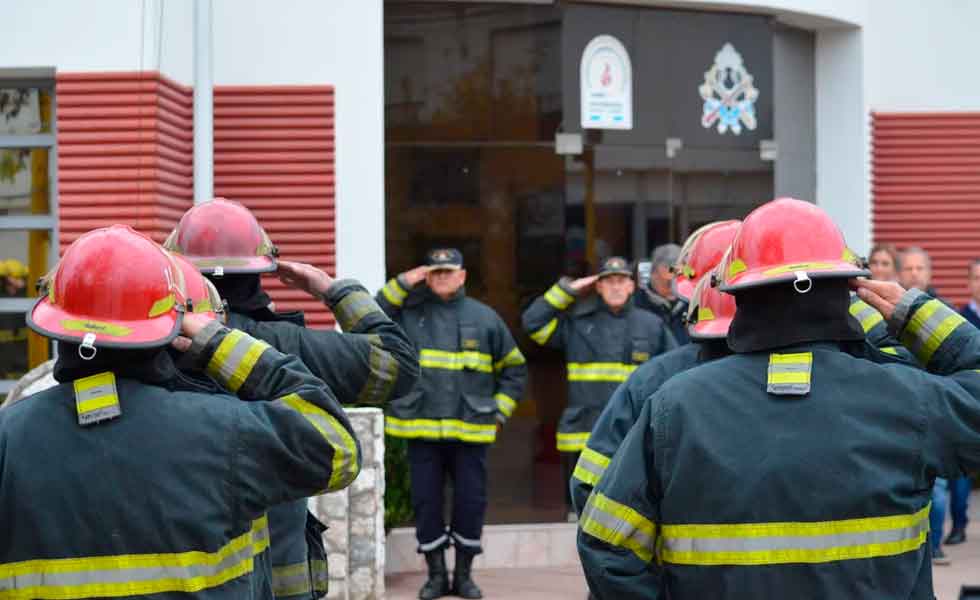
{"x": 203, "y": 103}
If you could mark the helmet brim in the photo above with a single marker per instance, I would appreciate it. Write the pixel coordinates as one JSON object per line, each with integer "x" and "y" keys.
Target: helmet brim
{"x": 710, "y": 330}
{"x": 234, "y": 265}
{"x": 54, "y": 322}
{"x": 787, "y": 274}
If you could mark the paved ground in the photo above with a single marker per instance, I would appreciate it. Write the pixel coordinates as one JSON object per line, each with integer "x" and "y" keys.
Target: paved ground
{"x": 568, "y": 583}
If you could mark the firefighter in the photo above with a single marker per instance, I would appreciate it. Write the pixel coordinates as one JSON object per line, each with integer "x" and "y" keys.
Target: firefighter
{"x": 604, "y": 338}
{"x": 473, "y": 375}
{"x": 116, "y": 485}
{"x": 790, "y": 469}
{"x": 369, "y": 363}
{"x": 707, "y": 328}
{"x": 660, "y": 296}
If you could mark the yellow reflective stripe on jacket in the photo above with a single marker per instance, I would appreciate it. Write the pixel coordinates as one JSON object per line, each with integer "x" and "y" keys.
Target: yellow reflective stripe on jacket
{"x": 803, "y": 542}
{"x": 599, "y": 371}
{"x": 590, "y": 466}
{"x": 260, "y": 535}
{"x": 291, "y": 580}
{"x": 344, "y": 468}
{"x": 928, "y": 328}
{"x": 440, "y": 429}
{"x": 867, "y": 315}
{"x": 354, "y": 307}
{"x": 889, "y": 350}
{"x": 541, "y": 336}
{"x": 558, "y": 298}
{"x": 789, "y": 374}
{"x": 571, "y": 442}
{"x": 235, "y": 358}
{"x": 455, "y": 361}
{"x": 394, "y": 293}
{"x": 505, "y": 404}
{"x": 129, "y": 574}
{"x": 320, "y": 573}
{"x": 382, "y": 376}
{"x": 514, "y": 358}
{"x": 618, "y": 525}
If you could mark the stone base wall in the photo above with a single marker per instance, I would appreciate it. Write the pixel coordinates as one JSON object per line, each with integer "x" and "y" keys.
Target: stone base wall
{"x": 355, "y": 516}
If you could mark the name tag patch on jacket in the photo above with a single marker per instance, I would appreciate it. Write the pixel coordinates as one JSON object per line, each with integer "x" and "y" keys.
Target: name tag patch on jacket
{"x": 471, "y": 344}
{"x": 789, "y": 374}
{"x": 96, "y": 399}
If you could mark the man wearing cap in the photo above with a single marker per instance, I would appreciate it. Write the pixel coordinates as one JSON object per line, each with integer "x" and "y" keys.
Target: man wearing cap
{"x": 791, "y": 469}
{"x": 370, "y": 362}
{"x": 699, "y": 256}
{"x": 119, "y": 483}
{"x": 473, "y": 375}
{"x": 604, "y": 339}
{"x": 659, "y": 297}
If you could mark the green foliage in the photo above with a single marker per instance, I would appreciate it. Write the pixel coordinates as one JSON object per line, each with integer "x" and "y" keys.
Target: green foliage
{"x": 398, "y": 493}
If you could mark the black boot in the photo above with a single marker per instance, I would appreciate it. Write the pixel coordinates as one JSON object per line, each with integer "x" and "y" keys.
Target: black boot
{"x": 463, "y": 585}
{"x": 956, "y": 536}
{"x": 437, "y": 585}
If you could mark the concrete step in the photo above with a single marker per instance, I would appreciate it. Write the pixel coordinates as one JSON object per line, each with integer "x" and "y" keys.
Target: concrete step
{"x": 537, "y": 545}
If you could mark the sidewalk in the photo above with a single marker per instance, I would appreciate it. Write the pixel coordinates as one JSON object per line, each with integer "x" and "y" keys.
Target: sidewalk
{"x": 568, "y": 583}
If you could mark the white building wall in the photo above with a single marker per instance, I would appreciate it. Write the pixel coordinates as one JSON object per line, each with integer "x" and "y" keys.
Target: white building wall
{"x": 339, "y": 42}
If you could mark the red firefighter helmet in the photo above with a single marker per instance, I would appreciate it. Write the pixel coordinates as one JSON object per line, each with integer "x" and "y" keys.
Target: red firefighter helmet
{"x": 199, "y": 293}
{"x": 222, "y": 237}
{"x": 701, "y": 253}
{"x": 710, "y": 313}
{"x": 787, "y": 240}
{"x": 113, "y": 287}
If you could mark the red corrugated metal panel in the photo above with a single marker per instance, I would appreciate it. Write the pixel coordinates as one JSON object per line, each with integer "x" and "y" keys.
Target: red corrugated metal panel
{"x": 125, "y": 150}
{"x": 274, "y": 152}
{"x": 926, "y": 190}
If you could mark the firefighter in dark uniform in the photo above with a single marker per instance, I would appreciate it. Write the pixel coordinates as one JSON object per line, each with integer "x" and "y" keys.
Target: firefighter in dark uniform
{"x": 791, "y": 469}
{"x": 371, "y": 362}
{"x": 473, "y": 375}
{"x": 604, "y": 338}
{"x": 659, "y": 296}
{"x": 117, "y": 484}
{"x": 709, "y": 309}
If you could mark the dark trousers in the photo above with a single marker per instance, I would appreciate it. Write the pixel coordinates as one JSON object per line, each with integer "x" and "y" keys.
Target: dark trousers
{"x": 568, "y": 462}
{"x": 466, "y": 465}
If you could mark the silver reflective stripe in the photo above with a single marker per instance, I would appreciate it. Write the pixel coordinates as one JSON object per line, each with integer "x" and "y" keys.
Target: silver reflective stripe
{"x": 866, "y": 315}
{"x": 588, "y": 465}
{"x": 354, "y": 307}
{"x": 789, "y": 374}
{"x": 924, "y": 336}
{"x": 328, "y": 429}
{"x": 438, "y": 542}
{"x": 777, "y": 543}
{"x": 618, "y": 527}
{"x": 58, "y": 578}
{"x": 381, "y": 379}
{"x": 228, "y": 367}
{"x": 466, "y": 541}
{"x": 291, "y": 580}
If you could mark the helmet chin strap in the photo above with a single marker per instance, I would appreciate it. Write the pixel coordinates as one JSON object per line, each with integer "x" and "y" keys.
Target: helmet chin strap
{"x": 87, "y": 349}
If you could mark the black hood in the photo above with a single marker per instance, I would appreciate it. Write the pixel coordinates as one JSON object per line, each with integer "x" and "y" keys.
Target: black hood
{"x": 775, "y": 316}
{"x": 244, "y": 293}
{"x": 154, "y": 366}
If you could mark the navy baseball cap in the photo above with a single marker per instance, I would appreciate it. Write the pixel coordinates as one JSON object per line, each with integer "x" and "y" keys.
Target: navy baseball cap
{"x": 615, "y": 265}
{"x": 444, "y": 259}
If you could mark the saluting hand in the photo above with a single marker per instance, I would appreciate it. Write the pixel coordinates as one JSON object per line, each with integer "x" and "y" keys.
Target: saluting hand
{"x": 190, "y": 325}
{"x": 415, "y": 276}
{"x": 302, "y": 276}
{"x": 580, "y": 286}
{"x": 882, "y": 295}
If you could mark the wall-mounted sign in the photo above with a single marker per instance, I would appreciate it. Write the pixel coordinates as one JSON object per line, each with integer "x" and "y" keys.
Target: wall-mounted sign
{"x": 728, "y": 94}
{"x": 606, "y": 75}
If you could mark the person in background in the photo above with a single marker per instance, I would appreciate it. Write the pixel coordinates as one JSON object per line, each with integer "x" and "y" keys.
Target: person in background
{"x": 915, "y": 271}
{"x": 473, "y": 376}
{"x": 604, "y": 338}
{"x": 883, "y": 262}
{"x": 659, "y": 297}
{"x": 959, "y": 492}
